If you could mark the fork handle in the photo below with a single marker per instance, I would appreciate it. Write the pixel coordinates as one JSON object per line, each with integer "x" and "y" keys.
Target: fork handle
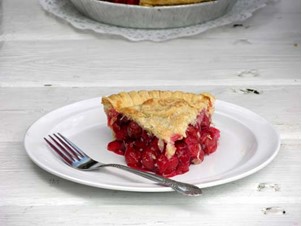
{"x": 183, "y": 188}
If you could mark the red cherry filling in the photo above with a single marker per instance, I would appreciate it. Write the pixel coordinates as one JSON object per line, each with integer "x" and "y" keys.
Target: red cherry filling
{"x": 143, "y": 150}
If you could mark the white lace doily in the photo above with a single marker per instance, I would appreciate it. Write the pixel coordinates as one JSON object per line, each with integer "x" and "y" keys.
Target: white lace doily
{"x": 64, "y": 9}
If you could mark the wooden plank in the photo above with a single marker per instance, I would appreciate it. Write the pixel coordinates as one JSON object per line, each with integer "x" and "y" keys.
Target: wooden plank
{"x": 94, "y": 63}
{"x": 278, "y": 104}
{"x": 49, "y": 199}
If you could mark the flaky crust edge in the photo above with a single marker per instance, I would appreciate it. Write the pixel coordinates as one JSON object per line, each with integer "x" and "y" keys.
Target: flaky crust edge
{"x": 127, "y": 99}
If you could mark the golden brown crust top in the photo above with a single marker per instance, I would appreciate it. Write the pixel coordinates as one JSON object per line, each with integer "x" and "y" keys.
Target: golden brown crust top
{"x": 133, "y": 98}
{"x": 166, "y": 114}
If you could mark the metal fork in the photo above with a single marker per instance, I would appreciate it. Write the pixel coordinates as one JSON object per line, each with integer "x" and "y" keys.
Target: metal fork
{"x": 73, "y": 156}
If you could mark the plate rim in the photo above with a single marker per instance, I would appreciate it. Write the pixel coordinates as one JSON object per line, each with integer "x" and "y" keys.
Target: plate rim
{"x": 92, "y": 102}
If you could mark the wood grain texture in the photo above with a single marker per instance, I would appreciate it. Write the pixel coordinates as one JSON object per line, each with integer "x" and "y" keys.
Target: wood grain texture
{"x": 52, "y": 198}
{"x": 91, "y": 64}
{"x": 46, "y": 64}
{"x": 28, "y": 104}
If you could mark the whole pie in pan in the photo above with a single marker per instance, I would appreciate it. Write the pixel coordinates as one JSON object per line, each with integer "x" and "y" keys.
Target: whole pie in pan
{"x": 161, "y": 131}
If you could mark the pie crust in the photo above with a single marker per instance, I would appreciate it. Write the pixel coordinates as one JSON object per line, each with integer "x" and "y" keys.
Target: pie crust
{"x": 169, "y": 2}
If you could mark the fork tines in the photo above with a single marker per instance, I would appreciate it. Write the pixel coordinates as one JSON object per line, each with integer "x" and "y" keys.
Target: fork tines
{"x": 68, "y": 151}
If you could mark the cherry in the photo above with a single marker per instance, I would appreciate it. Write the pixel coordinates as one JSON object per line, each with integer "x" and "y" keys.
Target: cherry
{"x": 183, "y": 156}
{"x": 134, "y": 130}
{"x": 133, "y": 157}
{"x": 153, "y": 144}
{"x": 192, "y": 135}
{"x": 167, "y": 167}
{"x": 122, "y": 120}
{"x": 120, "y": 132}
{"x": 209, "y": 140}
{"x": 203, "y": 120}
{"x": 148, "y": 159}
{"x": 111, "y": 116}
{"x": 117, "y": 147}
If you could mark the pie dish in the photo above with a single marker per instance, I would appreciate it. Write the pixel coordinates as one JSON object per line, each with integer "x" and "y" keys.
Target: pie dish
{"x": 137, "y": 16}
{"x": 161, "y": 131}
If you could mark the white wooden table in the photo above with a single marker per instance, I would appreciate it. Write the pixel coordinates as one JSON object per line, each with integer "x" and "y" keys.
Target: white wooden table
{"x": 46, "y": 64}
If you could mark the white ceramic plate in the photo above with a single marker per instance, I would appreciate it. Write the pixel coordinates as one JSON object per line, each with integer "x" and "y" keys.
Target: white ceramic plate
{"x": 247, "y": 144}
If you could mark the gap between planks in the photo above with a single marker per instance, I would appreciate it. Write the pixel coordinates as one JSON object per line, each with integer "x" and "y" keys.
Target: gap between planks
{"x": 146, "y": 83}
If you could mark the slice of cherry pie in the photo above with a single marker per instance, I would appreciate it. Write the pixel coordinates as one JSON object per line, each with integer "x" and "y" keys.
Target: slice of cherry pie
{"x": 161, "y": 131}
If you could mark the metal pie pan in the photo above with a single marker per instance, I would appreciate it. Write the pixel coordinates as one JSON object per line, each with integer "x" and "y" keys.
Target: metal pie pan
{"x": 134, "y": 16}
